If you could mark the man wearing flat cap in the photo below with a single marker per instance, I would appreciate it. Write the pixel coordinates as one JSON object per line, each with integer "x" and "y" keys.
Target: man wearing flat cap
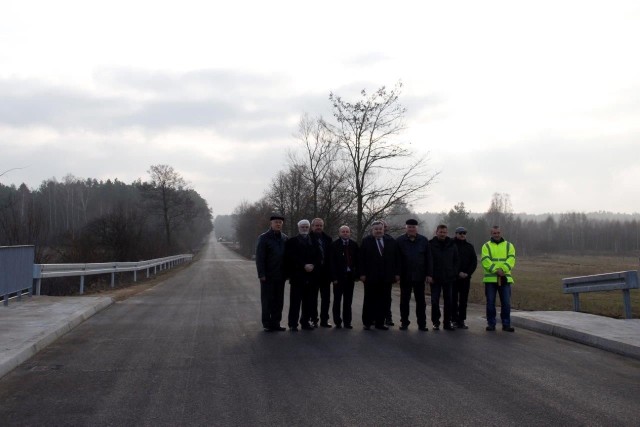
{"x": 468, "y": 264}
{"x": 270, "y": 265}
{"x": 416, "y": 270}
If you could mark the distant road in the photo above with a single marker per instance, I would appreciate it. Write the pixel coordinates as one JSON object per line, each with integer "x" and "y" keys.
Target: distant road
{"x": 191, "y": 351}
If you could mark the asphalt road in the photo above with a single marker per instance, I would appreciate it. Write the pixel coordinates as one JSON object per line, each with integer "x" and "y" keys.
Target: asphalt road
{"x": 191, "y": 351}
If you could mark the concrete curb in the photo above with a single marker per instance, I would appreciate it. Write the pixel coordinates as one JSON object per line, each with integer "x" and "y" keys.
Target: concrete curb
{"x": 538, "y": 322}
{"x": 12, "y": 358}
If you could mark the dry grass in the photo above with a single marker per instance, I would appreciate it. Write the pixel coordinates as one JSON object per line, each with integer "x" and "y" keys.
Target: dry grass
{"x": 538, "y": 284}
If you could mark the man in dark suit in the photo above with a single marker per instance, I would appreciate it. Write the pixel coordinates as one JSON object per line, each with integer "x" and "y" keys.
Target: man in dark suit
{"x": 322, "y": 275}
{"x": 344, "y": 271}
{"x": 446, "y": 266}
{"x": 378, "y": 271}
{"x": 301, "y": 256}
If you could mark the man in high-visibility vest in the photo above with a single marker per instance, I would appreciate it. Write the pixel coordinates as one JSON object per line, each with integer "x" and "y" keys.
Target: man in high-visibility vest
{"x": 498, "y": 260}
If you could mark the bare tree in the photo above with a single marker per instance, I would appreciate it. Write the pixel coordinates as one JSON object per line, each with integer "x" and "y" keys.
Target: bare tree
{"x": 384, "y": 171}
{"x": 167, "y": 192}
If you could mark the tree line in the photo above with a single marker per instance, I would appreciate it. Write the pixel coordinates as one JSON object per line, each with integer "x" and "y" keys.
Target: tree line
{"x": 354, "y": 168}
{"x": 87, "y": 220}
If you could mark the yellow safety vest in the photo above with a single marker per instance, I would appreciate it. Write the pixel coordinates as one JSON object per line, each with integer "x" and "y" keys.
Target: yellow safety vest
{"x": 498, "y": 255}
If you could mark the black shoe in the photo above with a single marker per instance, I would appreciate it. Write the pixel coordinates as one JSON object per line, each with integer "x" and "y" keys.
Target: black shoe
{"x": 448, "y": 327}
{"x": 436, "y": 327}
{"x": 338, "y": 326}
{"x": 490, "y": 328}
{"x": 389, "y": 322}
{"x": 279, "y": 328}
{"x": 382, "y": 327}
{"x": 461, "y": 325}
{"x": 267, "y": 329}
{"x": 508, "y": 329}
{"x": 306, "y": 327}
{"x": 423, "y": 328}
{"x": 367, "y": 327}
{"x": 326, "y": 325}
{"x": 315, "y": 324}
{"x": 404, "y": 327}
{"x": 348, "y": 326}
{"x": 293, "y": 328}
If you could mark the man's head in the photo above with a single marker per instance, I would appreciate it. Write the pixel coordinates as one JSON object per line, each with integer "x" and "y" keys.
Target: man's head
{"x": 276, "y": 222}
{"x": 303, "y": 227}
{"x": 496, "y": 234}
{"x": 461, "y": 233}
{"x": 377, "y": 229}
{"x": 344, "y": 232}
{"x": 317, "y": 225}
{"x": 441, "y": 232}
{"x": 411, "y": 227}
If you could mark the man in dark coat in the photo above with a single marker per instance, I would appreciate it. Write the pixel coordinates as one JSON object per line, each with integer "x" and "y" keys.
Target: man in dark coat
{"x": 378, "y": 271}
{"x": 270, "y": 266}
{"x": 344, "y": 271}
{"x": 468, "y": 264}
{"x": 322, "y": 274}
{"x": 416, "y": 269}
{"x": 301, "y": 256}
{"x": 445, "y": 270}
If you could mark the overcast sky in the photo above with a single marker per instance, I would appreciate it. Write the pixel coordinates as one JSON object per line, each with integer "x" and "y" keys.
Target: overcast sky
{"x": 537, "y": 99}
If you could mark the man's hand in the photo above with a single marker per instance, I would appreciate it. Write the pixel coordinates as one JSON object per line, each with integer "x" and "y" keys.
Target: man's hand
{"x": 429, "y": 280}
{"x": 263, "y": 279}
{"x": 463, "y": 275}
{"x": 500, "y": 272}
{"x": 308, "y": 268}
{"x": 363, "y": 278}
{"x": 397, "y": 279}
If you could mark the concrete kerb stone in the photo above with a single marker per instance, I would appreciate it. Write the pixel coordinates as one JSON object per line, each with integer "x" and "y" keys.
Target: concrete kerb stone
{"x": 618, "y": 336}
{"x": 15, "y": 350}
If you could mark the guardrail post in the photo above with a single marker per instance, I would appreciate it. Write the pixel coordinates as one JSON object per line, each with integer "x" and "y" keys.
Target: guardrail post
{"x": 113, "y": 279}
{"x": 626, "y": 297}
{"x": 147, "y": 272}
{"x": 38, "y": 283}
{"x": 135, "y": 275}
{"x": 81, "y": 285}
{"x": 576, "y": 302}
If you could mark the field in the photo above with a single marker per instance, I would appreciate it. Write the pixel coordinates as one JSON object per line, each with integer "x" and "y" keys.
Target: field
{"x": 538, "y": 284}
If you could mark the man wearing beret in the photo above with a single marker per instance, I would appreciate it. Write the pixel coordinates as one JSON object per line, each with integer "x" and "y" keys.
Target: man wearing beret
{"x": 416, "y": 270}
{"x": 270, "y": 265}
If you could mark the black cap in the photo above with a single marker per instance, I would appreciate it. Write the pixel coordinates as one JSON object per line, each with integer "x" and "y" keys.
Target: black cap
{"x": 411, "y": 222}
{"x": 461, "y": 230}
{"x": 276, "y": 216}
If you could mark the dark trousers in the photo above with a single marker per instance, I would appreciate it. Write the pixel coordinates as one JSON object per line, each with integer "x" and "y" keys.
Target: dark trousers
{"x": 322, "y": 287}
{"x": 504, "y": 291}
{"x": 406, "y": 288}
{"x": 344, "y": 287}
{"x": 444, "y": 288}
{"x": 301, "y": 296}
{"x": 272, "y": 299}
{"x": 460, "y": 297}
{"x": 376, "y": 302}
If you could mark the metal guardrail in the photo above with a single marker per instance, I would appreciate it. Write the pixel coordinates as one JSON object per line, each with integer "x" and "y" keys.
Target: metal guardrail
{"x": 43, "y": 271}
{"x": 15, "y": 271}
{"x": 622, "y": 280}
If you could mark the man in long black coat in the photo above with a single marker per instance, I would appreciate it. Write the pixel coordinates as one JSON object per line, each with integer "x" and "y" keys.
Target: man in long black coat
{"x": 344, "y": 272}
{"x": 270, "y": 266}
{"x": 301, "y": 257}
{"x": 378, "y": 272}
{"x": 468, "y": 265}
{"x": 445, "y": 270}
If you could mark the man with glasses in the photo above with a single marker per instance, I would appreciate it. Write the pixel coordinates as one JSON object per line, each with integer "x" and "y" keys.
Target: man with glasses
{"x": 498, "y": 260}
{"x": 301, "y": 257}
{"x": 468, "y": 264}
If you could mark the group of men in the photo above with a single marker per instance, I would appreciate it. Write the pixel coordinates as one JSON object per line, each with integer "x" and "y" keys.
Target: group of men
{"x": 314, "y": 263}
